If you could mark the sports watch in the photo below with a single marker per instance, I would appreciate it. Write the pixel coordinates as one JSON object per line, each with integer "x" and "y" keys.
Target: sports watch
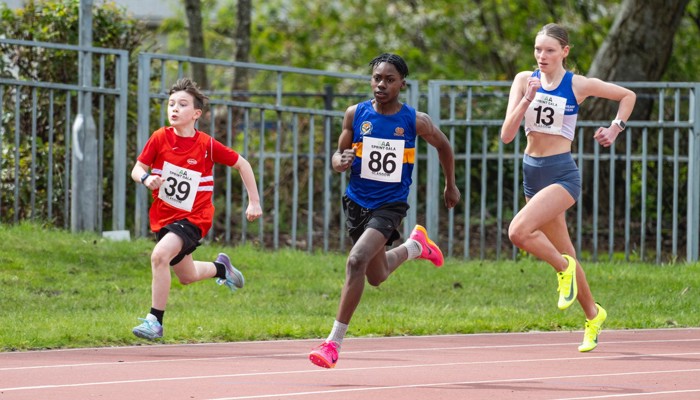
{"x": 620, "y": 123}
{"x": 144, "y": 177}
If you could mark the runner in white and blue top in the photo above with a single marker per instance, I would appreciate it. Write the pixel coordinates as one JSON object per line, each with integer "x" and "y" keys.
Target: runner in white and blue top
{"x": 548, "y": 100}
{"x": 553, "y": 112}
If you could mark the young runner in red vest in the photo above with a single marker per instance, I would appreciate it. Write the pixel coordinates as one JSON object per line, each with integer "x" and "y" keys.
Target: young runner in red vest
{"x": 176, "y": 164}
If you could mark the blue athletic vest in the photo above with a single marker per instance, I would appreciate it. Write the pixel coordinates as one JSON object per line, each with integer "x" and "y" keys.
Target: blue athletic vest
{"x": 384, "y": 130}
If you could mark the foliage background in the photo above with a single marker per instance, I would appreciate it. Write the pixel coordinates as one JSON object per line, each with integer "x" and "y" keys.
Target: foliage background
{"x": 440, "y": 39}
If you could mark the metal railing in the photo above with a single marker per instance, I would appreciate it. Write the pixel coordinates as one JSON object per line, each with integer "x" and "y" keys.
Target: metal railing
{"x": 662, "y": 175}
{"x": 35, "y": 169}
{"x": 640, "y": 200}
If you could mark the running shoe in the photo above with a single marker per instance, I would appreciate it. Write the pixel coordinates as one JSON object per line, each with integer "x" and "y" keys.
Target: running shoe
{"x": 234, "y": 278}
{"x": 430, "y": 251}
{"x": 568, "y": 289}
{"x": 149, "y": 329}
{"x": 593, "y": 327}
{"x": 325, "y": 355}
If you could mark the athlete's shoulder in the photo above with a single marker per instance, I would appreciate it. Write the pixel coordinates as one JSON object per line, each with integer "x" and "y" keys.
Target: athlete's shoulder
{"x": 352, "y": 109}
{"x": 524, "y": 74}
{"x": 424, "y": 123}
{"x": 203, "y": 136}
{"x": 160, "y": 131}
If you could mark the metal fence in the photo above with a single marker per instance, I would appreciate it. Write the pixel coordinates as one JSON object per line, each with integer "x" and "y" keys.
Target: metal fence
{"x": 38, "y": 136}
{"x": 287, "y": 129}
{"x": 639, "y": 200}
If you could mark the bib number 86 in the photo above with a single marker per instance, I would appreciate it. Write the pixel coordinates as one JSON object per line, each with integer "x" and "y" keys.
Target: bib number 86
{"x": 386, "y": 164}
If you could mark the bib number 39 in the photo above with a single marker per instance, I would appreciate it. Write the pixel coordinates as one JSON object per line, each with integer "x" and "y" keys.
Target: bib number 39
{"x": 180, "y": 186}
{"x": 382, "y": 159}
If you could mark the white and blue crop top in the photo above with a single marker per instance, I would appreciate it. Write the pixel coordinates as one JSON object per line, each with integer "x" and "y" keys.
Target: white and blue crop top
{"x": 553, "y": 111}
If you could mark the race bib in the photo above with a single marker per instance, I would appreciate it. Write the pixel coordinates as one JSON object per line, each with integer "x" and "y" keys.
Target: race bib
{"x": 180, "y": 186}
{"x": 546, "y": 113}
{"x": 382, "y": 159}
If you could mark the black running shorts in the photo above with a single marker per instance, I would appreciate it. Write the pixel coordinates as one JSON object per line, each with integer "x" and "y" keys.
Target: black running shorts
{"x": 188, "y": 232}
{"x": 386, "y": 219}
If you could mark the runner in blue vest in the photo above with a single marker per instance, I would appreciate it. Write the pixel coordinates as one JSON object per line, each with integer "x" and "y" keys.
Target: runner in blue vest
{"x": 548, "y": 100}
{"x": 377, "y": 144}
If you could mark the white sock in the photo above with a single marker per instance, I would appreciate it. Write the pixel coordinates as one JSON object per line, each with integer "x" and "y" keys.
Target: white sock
{"x": 338, "y": 332}
{"x": 414, "y": 248}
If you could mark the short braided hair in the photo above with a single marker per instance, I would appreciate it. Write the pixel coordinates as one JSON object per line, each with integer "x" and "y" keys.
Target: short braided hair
{"x": 392, "y": 59}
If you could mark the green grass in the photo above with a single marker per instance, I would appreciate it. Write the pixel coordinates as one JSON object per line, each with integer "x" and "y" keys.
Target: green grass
{"x": 63, "y": 290}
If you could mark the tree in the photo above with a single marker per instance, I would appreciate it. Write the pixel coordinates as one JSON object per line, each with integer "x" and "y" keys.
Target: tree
{"x": 636, "y": 49}
{"x": 241, "y": 41}
{"x": 193, "y": 9}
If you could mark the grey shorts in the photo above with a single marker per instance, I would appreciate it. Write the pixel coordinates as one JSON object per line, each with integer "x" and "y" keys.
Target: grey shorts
{"x": 540, "y": 172}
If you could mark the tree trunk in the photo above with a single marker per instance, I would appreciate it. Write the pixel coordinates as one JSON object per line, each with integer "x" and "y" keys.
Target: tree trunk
{"x": 193, "y": 9}
{"x": 242, "y": 41}
{"x": 239, "y": 88}
{"x": 637, "y": 48}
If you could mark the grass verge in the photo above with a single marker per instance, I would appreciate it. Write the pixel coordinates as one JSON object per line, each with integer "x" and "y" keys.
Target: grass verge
{"x": 60, "y": 290}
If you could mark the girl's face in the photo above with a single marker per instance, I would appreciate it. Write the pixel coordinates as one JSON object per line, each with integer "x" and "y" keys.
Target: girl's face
{"x": 549, "y": 53}
{"x": 181, "y": 111}
{"x": 386, "y": 83}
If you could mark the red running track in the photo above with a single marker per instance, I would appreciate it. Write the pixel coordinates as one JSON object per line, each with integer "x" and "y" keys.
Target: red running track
{"x": 628, "y": 364}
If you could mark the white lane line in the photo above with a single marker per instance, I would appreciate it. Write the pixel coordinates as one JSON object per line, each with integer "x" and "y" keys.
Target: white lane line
{"x": 352, "y": 339}
{"x": 338, "y": 371}
{"x": 282, "y": 355}
{"x": 610, "y": 396}
{"x": 428, "y": 385}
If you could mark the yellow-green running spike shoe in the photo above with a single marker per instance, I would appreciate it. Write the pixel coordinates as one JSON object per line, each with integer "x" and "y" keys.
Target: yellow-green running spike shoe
{"x": 568, "y": 290}
{"x": 593, "y": 327}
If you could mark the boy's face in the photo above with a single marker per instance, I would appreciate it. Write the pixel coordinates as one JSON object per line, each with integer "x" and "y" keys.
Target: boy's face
{"x": 181, "y": 110}
{"x": 386, "y": 82}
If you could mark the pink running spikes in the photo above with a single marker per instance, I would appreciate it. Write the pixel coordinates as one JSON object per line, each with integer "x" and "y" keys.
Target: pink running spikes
{"x": 431, "y": 251}
{"x": 325, "y": 355}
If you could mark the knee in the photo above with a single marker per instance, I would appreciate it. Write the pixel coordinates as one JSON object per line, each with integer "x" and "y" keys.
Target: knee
{"x": 356, "y": 266}
{"x": 517, "y": 235}
{"x": 159, "y": 260}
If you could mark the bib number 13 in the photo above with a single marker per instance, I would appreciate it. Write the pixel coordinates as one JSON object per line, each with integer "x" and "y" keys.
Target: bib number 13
{"x": 545, "y": 115}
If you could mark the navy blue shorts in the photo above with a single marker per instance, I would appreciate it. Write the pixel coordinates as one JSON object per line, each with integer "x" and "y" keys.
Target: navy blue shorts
{"x": 540, "y": 172}
{"x": 188, "y": 232}
{"x": 386, "y": 219}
